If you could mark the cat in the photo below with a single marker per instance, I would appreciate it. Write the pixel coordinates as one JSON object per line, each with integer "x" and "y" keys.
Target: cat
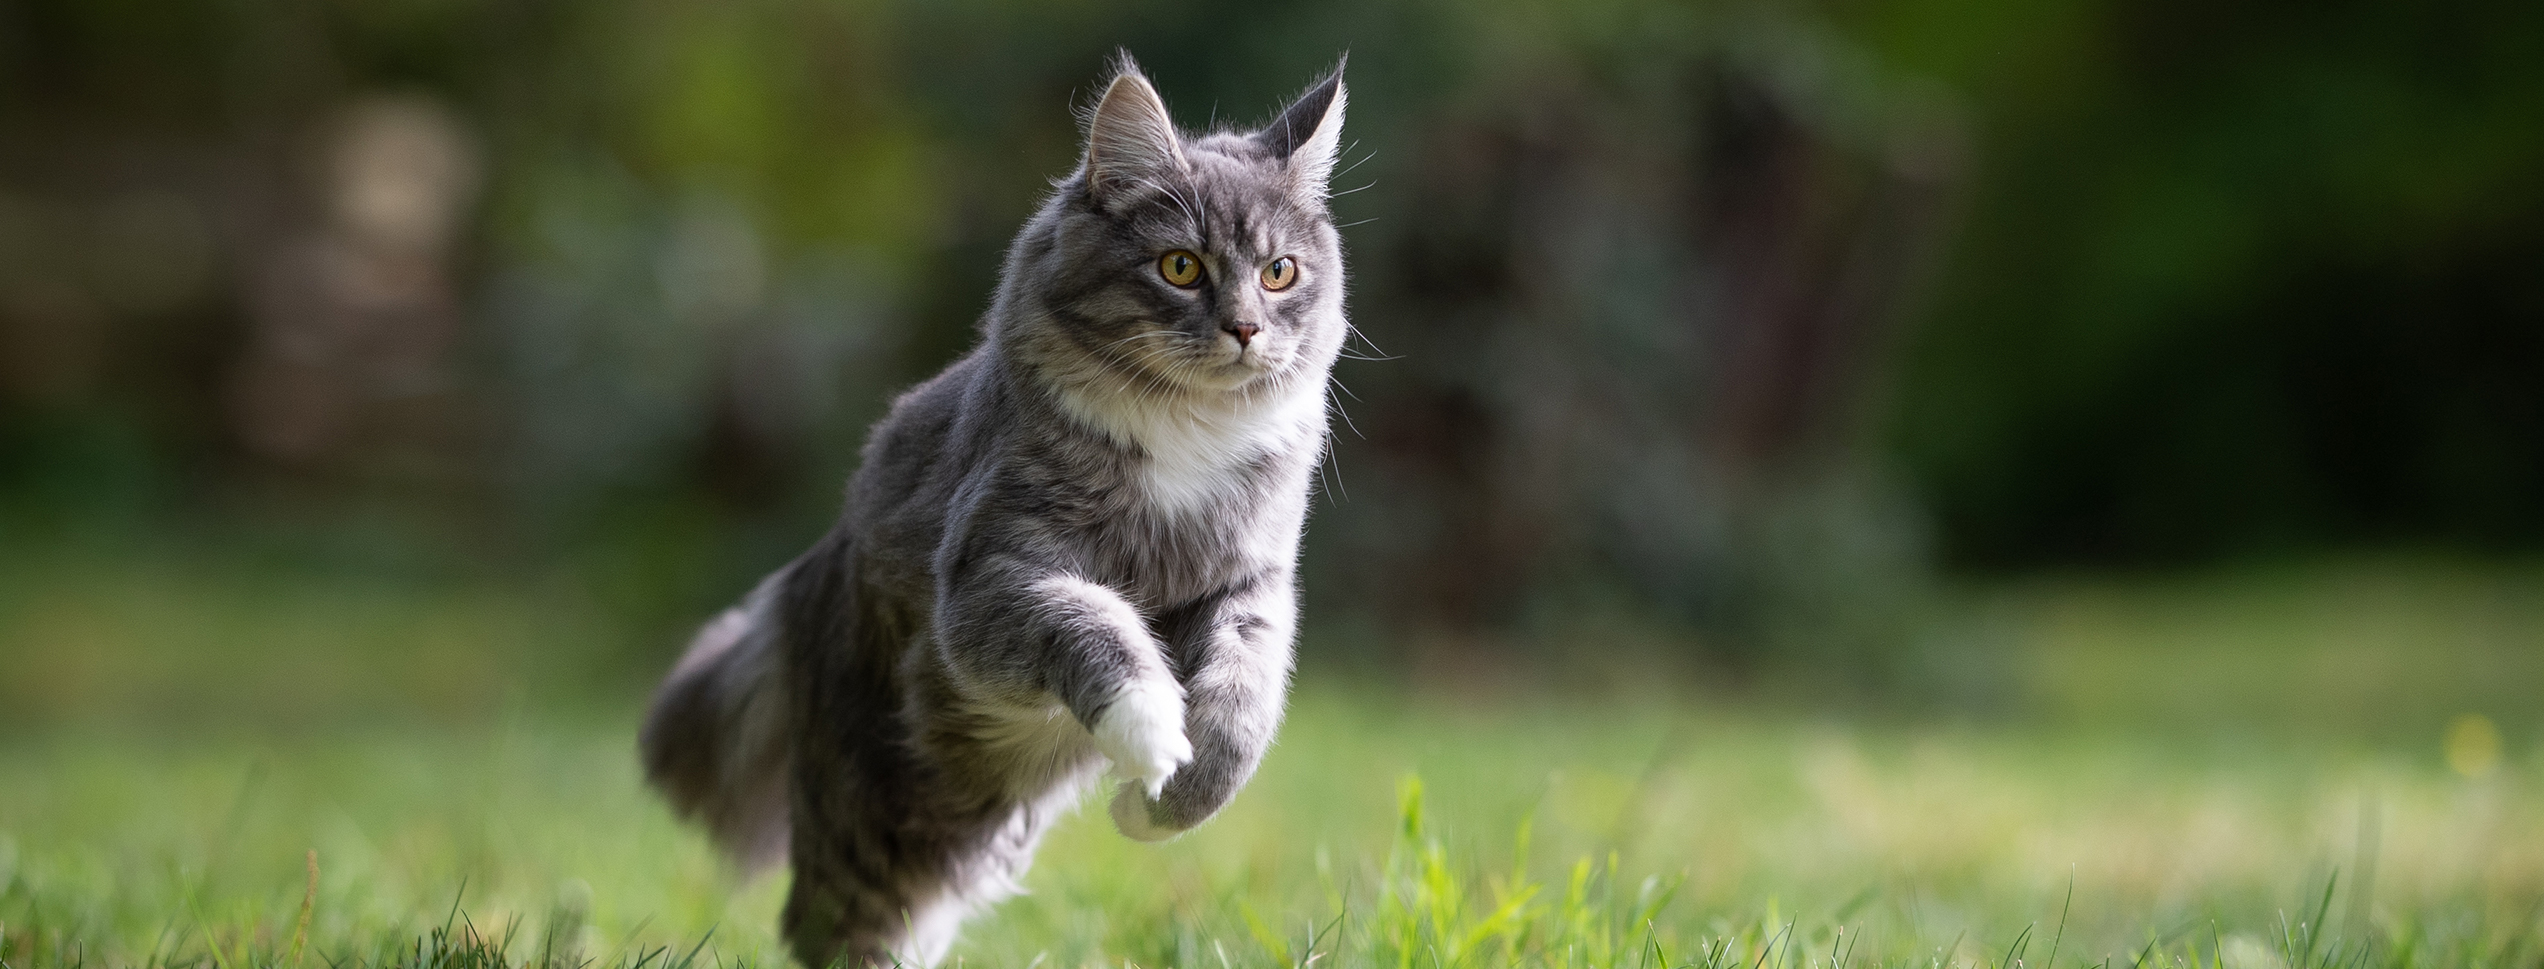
{"x": 1075, "y": 546}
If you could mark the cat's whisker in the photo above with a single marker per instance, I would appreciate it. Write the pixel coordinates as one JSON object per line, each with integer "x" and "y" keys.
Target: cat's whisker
{"x": 1345, "y": 414}
{"x": 1165, "y": 376}
{"x": 1141, "y": 335}
{"x": 1338, "y": 384}
{"x": 1333, "y": 482}
{"x": 1150, "y": 376}
{"x": 1379, "y": 353}
{"x": 1163, "y": 372}
{"x": 1364, "y": 159}
{"x": 1110, "y": 349}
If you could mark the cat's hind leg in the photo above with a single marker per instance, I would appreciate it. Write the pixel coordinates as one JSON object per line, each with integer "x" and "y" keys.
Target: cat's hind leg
{"x": 855, "y": 927}
{"x": 900, "y": 895}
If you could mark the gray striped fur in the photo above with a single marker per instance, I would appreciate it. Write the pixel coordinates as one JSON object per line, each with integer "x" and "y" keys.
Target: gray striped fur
{"x": 1075, "y": 546}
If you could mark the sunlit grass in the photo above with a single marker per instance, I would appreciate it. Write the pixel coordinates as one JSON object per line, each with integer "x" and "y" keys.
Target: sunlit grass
{"x": 1549, "y": 835}
{"x": 1394, "y": 826}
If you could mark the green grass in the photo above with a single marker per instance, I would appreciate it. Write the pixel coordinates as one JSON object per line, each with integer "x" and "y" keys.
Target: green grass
{"x": 2191, "y": 815}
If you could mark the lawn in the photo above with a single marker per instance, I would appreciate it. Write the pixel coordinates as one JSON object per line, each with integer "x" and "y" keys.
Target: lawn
{"x": 2331, "y": 764}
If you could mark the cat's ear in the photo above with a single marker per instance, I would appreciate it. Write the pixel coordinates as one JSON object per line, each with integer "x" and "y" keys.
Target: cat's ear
{"x": 1310, "y": 133}
{"x": 1130, "y": 138}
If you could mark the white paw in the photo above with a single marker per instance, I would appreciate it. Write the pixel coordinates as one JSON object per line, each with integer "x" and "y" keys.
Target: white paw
{"x": 1142, "y": 733}
{"x": 1130, "y": 813}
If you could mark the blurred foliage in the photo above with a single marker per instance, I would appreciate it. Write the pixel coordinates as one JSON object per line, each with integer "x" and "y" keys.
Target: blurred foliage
{"x": 2236, "y": 279}
{"x": 619, "y": 285}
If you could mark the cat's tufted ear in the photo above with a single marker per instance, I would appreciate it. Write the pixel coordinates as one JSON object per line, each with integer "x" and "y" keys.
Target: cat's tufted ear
{"x": 1309, "y": 134}
{"x": 1130, "y": 138}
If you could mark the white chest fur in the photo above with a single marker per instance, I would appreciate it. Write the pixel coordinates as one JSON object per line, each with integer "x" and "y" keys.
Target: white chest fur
{"x": 1197, "y": 450}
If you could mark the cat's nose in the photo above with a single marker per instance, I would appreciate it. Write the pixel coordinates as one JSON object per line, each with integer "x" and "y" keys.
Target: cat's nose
{"x": 1244, "y": 332}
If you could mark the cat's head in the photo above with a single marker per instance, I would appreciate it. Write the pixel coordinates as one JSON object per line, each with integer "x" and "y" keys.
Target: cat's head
{"x": 1192, "y": 264}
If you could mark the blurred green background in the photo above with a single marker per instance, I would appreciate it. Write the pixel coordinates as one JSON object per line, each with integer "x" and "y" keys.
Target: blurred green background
{"x": 2068, "y": 371}
{"x": 1729, "y": 315}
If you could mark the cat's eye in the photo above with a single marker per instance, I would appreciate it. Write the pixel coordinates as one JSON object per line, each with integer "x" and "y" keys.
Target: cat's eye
{"x": 1280, "y": 274}
{"x": 1180, "y": 268}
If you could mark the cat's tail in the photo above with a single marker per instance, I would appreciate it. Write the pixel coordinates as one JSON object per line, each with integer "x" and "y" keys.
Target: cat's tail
{"x": 715, "y": 741}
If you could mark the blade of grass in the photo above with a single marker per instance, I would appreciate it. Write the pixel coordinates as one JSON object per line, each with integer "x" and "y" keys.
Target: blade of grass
{"x": 2062, "y": 921}
{"x": 308, "y": 903}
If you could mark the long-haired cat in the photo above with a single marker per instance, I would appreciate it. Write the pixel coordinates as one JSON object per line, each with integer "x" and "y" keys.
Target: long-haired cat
{"x": 1074, "y": 546}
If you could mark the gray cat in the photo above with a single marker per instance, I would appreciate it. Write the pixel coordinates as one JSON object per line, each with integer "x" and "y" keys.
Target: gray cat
{"x": 1073, "y": 546}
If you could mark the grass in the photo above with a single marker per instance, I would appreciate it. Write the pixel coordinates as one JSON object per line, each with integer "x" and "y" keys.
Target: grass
{"x": 2182, "y": 774}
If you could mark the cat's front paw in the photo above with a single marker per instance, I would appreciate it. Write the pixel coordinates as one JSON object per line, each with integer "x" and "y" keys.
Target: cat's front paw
{"x": 1142, "y": 733}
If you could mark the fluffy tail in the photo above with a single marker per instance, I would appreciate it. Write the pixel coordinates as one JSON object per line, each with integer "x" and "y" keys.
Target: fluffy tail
{"x": 715, "y": 740}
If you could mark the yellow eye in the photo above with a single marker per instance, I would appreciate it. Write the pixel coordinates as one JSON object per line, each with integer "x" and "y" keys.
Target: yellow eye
{"x": 1280, "y": 274}
{"x": 1180, "y": 268}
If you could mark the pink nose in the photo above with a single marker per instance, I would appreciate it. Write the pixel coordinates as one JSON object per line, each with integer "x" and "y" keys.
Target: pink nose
{"x": 1244, "y": 332}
